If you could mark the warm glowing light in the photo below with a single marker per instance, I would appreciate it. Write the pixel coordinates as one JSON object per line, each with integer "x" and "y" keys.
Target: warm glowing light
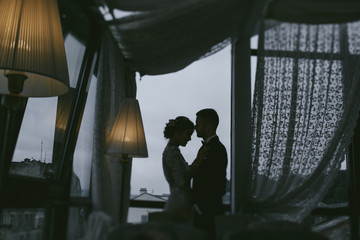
{"x": 127, "y": 134}
{"x": 32, "y": 47}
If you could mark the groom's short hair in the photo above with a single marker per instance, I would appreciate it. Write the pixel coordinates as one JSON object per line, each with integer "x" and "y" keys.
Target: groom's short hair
{"x": 210, "y": 116}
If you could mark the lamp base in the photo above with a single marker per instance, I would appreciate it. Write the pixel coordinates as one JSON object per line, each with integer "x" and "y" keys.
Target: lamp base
{"x": 15, "y": 82}
{"x": 124, "y": 158}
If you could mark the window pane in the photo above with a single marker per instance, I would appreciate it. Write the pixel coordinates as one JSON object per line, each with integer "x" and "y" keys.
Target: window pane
{"x": 140, "y": 214}
{"x": 338, "y": 193}
{"x": 34, "y": 147}
{"x": 253, "y": 76}
{"x": 84, "y": 144}
{"x": 21, "y": 223}
{"x": 254, "y": 42}
{"x": 78, "y": 217}
{"x": 74, "y": 56}
{"x": 333, "y": 228}
{"x": 45, "y": 119}
{"x": 204, "y": 84}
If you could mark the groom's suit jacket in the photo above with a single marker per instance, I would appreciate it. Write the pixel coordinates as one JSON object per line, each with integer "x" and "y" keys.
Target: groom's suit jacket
{"x": 209, "y": 183}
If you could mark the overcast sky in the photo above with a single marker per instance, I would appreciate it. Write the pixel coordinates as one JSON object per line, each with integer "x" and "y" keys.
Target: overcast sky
{"x": 37, "y": 130}
{"x": 203, "y": 84}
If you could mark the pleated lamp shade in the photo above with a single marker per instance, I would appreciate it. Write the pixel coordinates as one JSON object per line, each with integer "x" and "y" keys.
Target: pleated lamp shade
{"x": 127, "y": 136}
{"x": 32, "y": 48}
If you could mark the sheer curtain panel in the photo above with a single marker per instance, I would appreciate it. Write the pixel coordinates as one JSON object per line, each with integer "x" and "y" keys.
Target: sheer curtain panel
{"x": 306, "y": 102}
{"x": 167, "y": 40}
{"x": 112, "y": 87}
{"x": 314, "y": 11}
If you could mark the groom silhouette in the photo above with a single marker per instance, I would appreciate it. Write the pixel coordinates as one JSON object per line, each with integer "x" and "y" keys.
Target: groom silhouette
{"x": 209, "y": 183}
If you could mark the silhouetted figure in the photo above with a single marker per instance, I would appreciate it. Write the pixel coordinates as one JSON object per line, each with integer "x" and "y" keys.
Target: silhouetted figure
{"x": 176, "y": 170}
{"x": 209, "y": 183}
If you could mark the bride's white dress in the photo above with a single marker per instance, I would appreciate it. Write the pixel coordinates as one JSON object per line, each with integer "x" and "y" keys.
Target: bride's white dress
{"x": 175, "y": 168}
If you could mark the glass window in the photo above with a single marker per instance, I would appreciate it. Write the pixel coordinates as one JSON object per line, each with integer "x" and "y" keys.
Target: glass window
{"x": 144, "y": 218}
{"x": 205, "y": 83}
{"x": 254, "y": 42}
{"x": 44, "y": 120}
{"x": 77, "y": 222}
{"x": 84, "y": 146}
{"x": 35, "y": 141}
{"x": 74, "y": 55}
{"x": 333, "y": 226}
{"x": 253, "y": 63}
{"x": 21, "y": 223}
{"x": 140, "y": 215}
{"x": 338, "y": 193}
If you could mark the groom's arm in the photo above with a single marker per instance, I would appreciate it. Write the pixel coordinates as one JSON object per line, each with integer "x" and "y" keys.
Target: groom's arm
{"x": 216, "y": 171}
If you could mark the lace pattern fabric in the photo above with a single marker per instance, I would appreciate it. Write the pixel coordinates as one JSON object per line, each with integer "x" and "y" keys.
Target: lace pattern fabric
{"x": 305, "y": 107}
{"x": 111, "y": 88}
{"x": 175, "y": 168}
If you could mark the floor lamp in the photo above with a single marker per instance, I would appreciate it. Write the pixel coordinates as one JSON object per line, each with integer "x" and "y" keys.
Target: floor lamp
{"x": 127, "y": 140}
{"x": 32, "y": 64}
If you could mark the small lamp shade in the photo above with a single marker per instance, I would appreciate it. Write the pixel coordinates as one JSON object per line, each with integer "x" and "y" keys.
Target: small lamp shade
{"x": 127, "y": 136}
{"x": 32, "y": 49}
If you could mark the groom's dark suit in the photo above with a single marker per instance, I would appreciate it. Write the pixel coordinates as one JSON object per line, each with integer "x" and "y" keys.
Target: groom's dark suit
{"x": 209, "y": 186}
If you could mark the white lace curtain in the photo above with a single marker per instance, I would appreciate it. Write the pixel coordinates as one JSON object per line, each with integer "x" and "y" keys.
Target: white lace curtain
{"x": 112, "y": 87}
{"x": 306, "y": 103}
{"x": 314, "y": 11}
{"x": 306, "y": 98}
{"x": 165, "y": 36}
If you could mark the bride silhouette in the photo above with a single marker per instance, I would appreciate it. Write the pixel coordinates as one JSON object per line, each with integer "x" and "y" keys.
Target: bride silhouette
{"x": 176, "y": 170}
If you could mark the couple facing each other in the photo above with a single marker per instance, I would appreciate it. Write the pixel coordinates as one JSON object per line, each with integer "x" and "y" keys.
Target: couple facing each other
{"x": 202, "y": 201}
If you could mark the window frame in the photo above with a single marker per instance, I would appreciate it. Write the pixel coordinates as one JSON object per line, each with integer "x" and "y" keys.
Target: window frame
{"x": 53, "y": 195}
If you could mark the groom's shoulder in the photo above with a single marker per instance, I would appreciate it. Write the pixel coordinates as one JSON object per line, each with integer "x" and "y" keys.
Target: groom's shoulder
{"x": 218, "y": 141}
{"x": 219, "y": 145}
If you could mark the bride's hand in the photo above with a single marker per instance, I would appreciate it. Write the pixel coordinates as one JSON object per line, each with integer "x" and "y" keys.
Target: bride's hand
{"x": 202, "y": 153}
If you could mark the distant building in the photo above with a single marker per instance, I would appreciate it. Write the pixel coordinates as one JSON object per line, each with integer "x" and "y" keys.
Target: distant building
{"x": 21, "y": 224}
{"x": 26, "y": 223}
{"x": 32, "y": 168}
{"x": 140, "y": 215}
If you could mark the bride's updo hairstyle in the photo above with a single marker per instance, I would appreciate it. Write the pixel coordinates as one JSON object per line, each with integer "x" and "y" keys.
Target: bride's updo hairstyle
{"x": 178, "y": 124}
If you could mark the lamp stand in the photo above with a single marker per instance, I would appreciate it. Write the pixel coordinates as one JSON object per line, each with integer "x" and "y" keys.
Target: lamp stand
{"x": 125, "y": 188}
{"x": 12, "y": 110}
{"x": 124, "y": 158}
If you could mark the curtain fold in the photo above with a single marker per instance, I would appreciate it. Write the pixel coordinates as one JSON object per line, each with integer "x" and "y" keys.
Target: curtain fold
{"x": 314, "y": 11}
{"x": 143, "y": 5}
{"x": 164, "y": 41}
{"x": 306, "y": 104}
{"x": 112, "y": 87}
{"x": 165, "y": 37}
